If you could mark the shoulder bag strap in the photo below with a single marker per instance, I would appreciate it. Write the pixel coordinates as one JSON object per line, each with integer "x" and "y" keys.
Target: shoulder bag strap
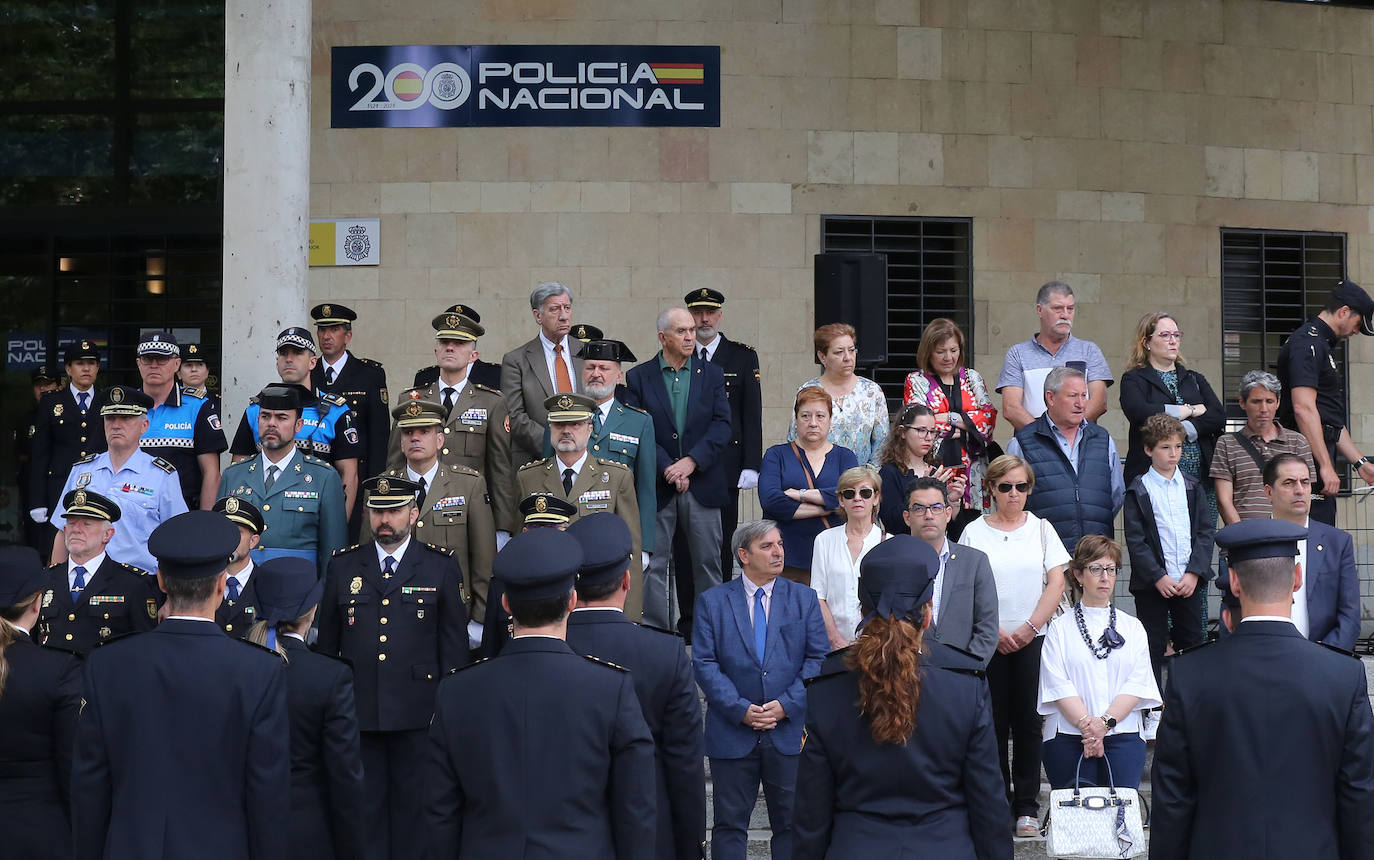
{"x": 1250, "y": 449}
{"x": 806, "y": 470}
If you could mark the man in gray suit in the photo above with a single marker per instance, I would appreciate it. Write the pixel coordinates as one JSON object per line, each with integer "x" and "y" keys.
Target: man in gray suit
{"x": 533, "y": 373}
{"x": 964, "y": 607}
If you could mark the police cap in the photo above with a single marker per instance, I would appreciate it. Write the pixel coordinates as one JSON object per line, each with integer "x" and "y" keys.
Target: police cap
{"x": 242, "y": 512}
{"x": 419, "y": 413}
{"x": 466, "y": 310}
{"x": 1353, "y": 296}
{"x": 538, "y": 564}
{"x": 332, "y": 314}
{"x": 162, "y": 343}
{"x": 704, "y": 298}
{"x": 605, "y": 350}
{"x": 42, "y": 374}
{"x": 81, "y": 349}
{"x": 192, "y": 352}
{"x": 21, "y": 574}
{"x": 452, "y": 325}
{"x": 383, "y": 492}
{"x": 193, "y": 545}
{"x": 563, "y": 408}
{"x": 297, "y": 338}
{"x": 287, "y": 588}
{"x": 606, "y": 548}
{"x": 897, "y": 577}
{"x": 125, "y": 400}
{"x": 546, "y": 509}
{"x": 90, "y": 504}
{"x": 584, "y": 332}
{"x": 1251, "y": 539}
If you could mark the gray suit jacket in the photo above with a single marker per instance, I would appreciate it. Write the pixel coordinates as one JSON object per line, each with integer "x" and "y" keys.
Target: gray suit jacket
{"x": 968, "y": 603}
{"x": 525, "y": 385}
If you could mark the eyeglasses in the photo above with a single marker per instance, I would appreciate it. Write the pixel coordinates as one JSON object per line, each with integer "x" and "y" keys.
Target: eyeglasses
{"x": 1102, "y": 571}
{"x": 1169, "y": 335}
{"x": 937, "y": 509}
{"x": 924, "y": 431}
{"x": 1020, "y": 486}
{"x": 862, "y": 492}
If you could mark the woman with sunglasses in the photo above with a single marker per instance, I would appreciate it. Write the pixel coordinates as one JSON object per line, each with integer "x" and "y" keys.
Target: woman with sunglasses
{"x": 838, "y": 550}
{"x": 1028, "y": 562}
{"x": 1095, "y": 678}
{"x": 907, "y": 454}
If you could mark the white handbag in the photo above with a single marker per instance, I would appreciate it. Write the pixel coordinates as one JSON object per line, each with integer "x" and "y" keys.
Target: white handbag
{"x": 1095, "y": 822}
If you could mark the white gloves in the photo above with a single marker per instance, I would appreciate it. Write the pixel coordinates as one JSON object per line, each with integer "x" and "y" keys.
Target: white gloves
{"x": 748, "y": 479}
{"x": 39, "y": 515}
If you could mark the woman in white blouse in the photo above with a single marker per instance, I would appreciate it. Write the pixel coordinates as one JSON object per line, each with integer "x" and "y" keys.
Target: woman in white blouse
{"x": 1027, "y": 561}
{"x": 837, "y": 552}
{"x": 1095, "y": 678}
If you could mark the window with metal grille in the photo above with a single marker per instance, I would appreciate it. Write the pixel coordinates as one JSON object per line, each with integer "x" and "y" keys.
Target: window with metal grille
{"x": 929, "y": 275}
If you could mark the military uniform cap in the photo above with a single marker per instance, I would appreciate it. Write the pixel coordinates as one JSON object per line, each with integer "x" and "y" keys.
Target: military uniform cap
{"x": 42, "y": 374}
{"x": 162, "y": 343}
{"x": 242, "y": 512}
{"x": 88, "y": 503}
{"x": 1251, "y": 539}
{"x": 569, "y": 407}
{"x": 297, "y": 338}
{"x": 538, "y": 564}
{"x": 704, "y": 298}
{"x": 192, "y": 352}
{"x": 81, "y": 349}
{"x": 287, "y": 588}
{"x": 899, "y": 580}
{"x": 332, "y": 314}
{"x": 584, "y": 332}
{"x": 605, "y": 350}
{"x": 466, "y": 310}
{"x": 418, "y": 413}
{"x": 383, "y": 492}
{"x": 606, "y": 548}
{"x": 125, "y": 400}
{"x": 21, "y": 574}
{"x": 546, "y": 509}
{"x": 285, "y": 395}
{"x": 452, "y": 325}
{"x": 1353, "y": 296}
{"x": 193, "y": 545}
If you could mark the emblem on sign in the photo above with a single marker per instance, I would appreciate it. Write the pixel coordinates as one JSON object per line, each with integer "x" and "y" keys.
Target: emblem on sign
{"x": 541, "y": 505}
{"x": 383, "y": 486}
{"x": 231, "y": 506}
{"x": 79, "y": 500}
{"x": 116, "y": 395}
{"x": 356, "y": 245}
{"x": 356, "y": 585}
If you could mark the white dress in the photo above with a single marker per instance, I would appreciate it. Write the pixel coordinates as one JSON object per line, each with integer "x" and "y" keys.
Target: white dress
{"x": 835, "y": 577}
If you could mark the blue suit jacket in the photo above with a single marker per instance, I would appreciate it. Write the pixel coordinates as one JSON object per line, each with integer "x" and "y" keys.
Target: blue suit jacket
{"x": 1333, "y": 587}
{"x": 731, "y": 676}
{"x": 705, "y": 433}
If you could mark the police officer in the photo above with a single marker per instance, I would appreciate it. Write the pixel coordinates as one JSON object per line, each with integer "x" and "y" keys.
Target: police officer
{"x": 183, "y": 429}
{"x": 91, "y": 598}
{"x": 194, "y": 374}
{"x": 38, "y": 708}
{"x": 481, "y": 372}
{"x": 1315, "y": 404}
{"x": 145, "y": 487}
{"x": 1288, "y": 719}
{"x": 329, "y": 428}
{"x": 239, "y": 610}
{"x": 539, "y": 511}
{"x": 662, "y": 676}
{"x": 35, "y": 533}
{"x": 66, "y": 428}
{"x": 744, "y": 454}
{"x": 541, "y": 746}
{"x": 360, "y": 381}
{"x": 394, "y": 607}
{"x": 301, "y": 498}
{"x": 589, "y": 483}
{"x": 476, "y": 429}
{"x": 182, "y": 740}
{"x": 455, "y": 512}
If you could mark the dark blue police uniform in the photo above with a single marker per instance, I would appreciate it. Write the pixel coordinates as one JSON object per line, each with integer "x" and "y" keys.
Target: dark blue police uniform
{"x": 118, "y": 599}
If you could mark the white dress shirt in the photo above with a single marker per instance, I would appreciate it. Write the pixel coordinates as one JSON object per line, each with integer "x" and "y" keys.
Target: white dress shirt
{"x": 1299, "y": 618}
{"x": 605, "y": 409}
{"x": 456, "y": 387}
{"x": 92, "y": 565}
{"x": 77, "y": 392}
{"x": 281, "y": 465}
{"x": 337, "y": 366}
{"x": 242, "y": 576}
{"x": 576, "y": 467}
{"x": 750, "y": 588}
{"x": 383, "y": 555}
{"x": 549, "y": 360}
{"x": 709, "y": 347}
{"x": 428, "y": 477}
{"x": 835, "y": 575}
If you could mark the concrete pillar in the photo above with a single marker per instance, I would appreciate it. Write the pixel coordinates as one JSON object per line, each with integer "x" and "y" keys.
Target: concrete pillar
{"x": 266, "y": 188}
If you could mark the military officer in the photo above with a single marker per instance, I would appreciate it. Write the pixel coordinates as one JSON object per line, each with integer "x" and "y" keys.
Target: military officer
{"x": 590, "y": 483}
{"x": 301, "y": 498}
{"x": 360, "y": 381}
{"x": 35, "y": 533}
{"x": 145, "y": 487}
{"x": 183, "y": 429}
{"x": 66, "y": 428}
{"x": 663, "y": 680}
{"x": 194, "y": 374}
{"x": 329, "y": 428}
{"x": 239, "y": 609}
{"x": 91, "y": 597}
{"x": 455, "y": 512}
{"x": 564, "y": 759}
{"x": 481, "y": 372}
{"x": 394, "y": 607}
{"x": 476, "y": 429}
{"x": 539, "y": 511}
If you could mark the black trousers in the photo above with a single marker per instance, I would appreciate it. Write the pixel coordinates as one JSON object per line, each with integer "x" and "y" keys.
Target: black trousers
{"x": 1323, "y": 510}
{"x": 1165, "y": 617}
{"x": 1014, "y": 687}
{"x": 394, "y": 764}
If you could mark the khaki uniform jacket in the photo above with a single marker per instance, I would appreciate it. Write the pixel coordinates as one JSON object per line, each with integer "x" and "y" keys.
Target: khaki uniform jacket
{"x": 476, "y": 435}
{"x": 457, "y": 516}
{"x": 603, "y": 486}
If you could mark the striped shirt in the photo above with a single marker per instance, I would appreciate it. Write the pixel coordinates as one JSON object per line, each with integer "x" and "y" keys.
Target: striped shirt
{"x": 1231, "y": 462}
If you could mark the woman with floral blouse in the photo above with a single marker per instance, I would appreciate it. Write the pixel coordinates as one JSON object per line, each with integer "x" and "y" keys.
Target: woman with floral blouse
{"x": 859, "y": 421}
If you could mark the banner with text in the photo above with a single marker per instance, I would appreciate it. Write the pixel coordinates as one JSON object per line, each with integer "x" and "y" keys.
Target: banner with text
{"x": 455, "y": 86}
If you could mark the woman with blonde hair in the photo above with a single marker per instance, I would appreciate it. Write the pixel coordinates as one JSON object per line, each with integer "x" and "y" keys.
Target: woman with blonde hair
{"x": 838, "y": 551}
{"x": 859, "y": 412}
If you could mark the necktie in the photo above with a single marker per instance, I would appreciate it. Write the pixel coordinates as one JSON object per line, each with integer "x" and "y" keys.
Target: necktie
{"x": 596, "y": 422}
{"x": 702, "y": 355}
{"x": 448, "y": 401}
{"x": 568, "y": 475}
{"x": 760, "y": 625}
{"x": 231, "y": 589}
{"x": 420, "y": 496}
{"x": 388, "y": 568}
{"x": 560, "y": 367}
{"x": 84, "y": 398}
{"x": 329, "y": 376}
{"x": 79, "y": 584}
{"x": 271, "y": 478}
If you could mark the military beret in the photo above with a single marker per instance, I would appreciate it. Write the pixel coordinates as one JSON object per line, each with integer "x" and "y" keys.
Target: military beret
{"x": 606, "y": 548}
{"x": 193, "y": 545}
{"x": 89, "y": 503}
{"x": 538, "y": 564}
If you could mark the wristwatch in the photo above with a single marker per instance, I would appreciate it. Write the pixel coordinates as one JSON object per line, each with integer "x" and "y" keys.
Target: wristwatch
{"x": 1108, "y": 720}
{"x": 1360, "y": 462}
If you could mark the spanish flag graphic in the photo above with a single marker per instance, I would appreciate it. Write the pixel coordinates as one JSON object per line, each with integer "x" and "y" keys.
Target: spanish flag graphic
{"x": 679, "y": 73}
{"x": 408, "y": 86}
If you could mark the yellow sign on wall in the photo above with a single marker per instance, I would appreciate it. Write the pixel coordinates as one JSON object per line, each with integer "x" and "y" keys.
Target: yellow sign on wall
{"x": 345, "y": 242}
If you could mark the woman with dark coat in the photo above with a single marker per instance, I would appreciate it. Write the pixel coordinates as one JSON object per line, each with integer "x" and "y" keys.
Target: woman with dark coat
{"x": 40, "y": 697}
{"x": 900, "y": 752}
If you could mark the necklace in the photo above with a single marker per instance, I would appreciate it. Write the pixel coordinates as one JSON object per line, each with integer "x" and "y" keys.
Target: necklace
{"x": 1110, "y": 639}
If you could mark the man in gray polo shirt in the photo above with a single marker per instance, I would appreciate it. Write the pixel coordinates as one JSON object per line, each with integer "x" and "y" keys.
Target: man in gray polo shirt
{"x": 1029, "y": 362}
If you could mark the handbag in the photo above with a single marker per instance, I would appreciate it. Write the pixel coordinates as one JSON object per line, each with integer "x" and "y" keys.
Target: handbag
{"x": 1095, "y": 822}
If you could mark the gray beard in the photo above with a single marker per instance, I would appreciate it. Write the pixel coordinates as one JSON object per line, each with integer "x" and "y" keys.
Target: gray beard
{"x": 599, "y": 392}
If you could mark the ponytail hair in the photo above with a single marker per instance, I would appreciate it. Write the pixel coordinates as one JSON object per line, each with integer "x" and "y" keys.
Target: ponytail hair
{"x": 887, "y": 656}
{"x": 258, "y": 635}
{"x": 8, "y": 633}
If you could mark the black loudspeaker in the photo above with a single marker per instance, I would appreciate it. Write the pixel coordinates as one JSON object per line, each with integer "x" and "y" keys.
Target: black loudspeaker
{"x": 852, "y": 288}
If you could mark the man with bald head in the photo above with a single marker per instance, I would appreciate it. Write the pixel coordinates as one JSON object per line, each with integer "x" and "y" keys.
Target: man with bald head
{"x": 685, "y": 397}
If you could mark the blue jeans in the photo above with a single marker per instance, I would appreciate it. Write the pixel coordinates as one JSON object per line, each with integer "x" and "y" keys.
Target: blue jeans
{"x": 736, "y": 782}
{"x": 1125, "y": 754}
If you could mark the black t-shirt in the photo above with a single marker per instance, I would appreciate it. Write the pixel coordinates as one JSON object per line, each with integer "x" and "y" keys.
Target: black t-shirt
{"x": 1306, "y": 360}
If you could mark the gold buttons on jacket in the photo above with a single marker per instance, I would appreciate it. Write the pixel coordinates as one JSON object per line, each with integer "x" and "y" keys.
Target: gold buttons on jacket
{"x": 381, "y": 658}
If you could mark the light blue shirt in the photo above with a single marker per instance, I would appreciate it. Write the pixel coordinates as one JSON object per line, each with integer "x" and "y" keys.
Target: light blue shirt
{"x": 147, "y": 495}
{"x": 1071, "y": 452}
{"x": 1169, "y": 498}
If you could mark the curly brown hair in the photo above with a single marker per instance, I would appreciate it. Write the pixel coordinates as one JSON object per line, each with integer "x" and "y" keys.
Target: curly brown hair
{"x": 887, "y": 656}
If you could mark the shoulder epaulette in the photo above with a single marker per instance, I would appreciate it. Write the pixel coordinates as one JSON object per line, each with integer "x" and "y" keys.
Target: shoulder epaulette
{"x": 89, "y": 458}
{"x": 262, "y": 648}
{"x": 333, "y": 399}
{"x": 1198, "y": 647}
{"x": 662, "y": 630}
{"x": 615, "y": 463}
{"x": 487, "y": 388}
{"x": 531, "y": 464}
{"x": 444, "y": 551}
{"x": 833, "y": 666}
{"x": 635, "y": 409}
{"x": 164, "y": 465}
{"x": 742, "y": 345}
{"x": 606, "y": 663}
{"x": 1328, "y": 646}
{"x": 373, "y": 362}
{"x": 136, "y": 571}
{"x": 455, "y": 670}
{"x": 343, "y": 549}
{"x": 120, "y": 638}
{"x": 311, "y": 458}
{"x": 460, "y": 469}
